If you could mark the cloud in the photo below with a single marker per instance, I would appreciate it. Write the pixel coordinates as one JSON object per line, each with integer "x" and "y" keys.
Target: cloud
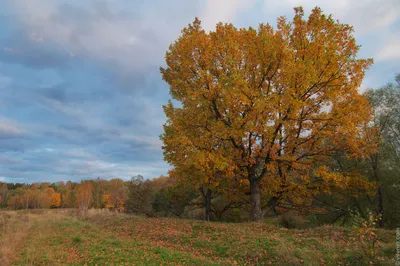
{"x": 9, "y": 128}
{"x": 101, "y": 30}
{"x": 57, "y": 165}
{"x": 64, "y": 163}
{"x": 224, "y": 11}
{"x": 365, "y": 15}
{"x": 78, "y": 153}
{"x": 390, "y": 50}
{"x": 20, "y": 48}
{"x": 79, "y": 128}
{"x": 375, "y": 22}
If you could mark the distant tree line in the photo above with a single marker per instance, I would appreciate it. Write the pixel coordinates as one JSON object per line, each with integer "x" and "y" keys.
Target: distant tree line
{"x": 98, "y": 193}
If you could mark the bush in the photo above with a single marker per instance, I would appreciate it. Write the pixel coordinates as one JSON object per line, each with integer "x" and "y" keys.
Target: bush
{"x": 293, "y": 220}
{"x": 364, "y": 230}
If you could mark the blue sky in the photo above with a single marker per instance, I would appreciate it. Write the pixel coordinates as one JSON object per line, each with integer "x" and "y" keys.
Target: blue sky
{"x": 80, "y": 91}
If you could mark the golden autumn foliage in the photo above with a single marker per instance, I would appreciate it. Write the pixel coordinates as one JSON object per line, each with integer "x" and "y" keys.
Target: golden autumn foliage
{"x": 84, "y": 195}
{"x": 115, "y": 199}
{"x": 267, "y": 108}
{"x": 3, "y": 192}
{"x": 107, "y": 201}
{"x": 56, "y": 200}
{"x": 46, "y": 197}
{"x": 112, "y": 194}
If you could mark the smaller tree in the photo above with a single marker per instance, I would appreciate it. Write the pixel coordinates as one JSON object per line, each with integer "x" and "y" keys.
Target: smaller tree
{"x": 69, "y": 197}
{"x": 141, "y": 195}
{"x": 115, "y": 197}
{"x": 46, "y": 196}
{"x": 384, "y": 164}
{"x": 55, "y": 200}
{"x": 3, "y": 193}
{"x": 84, "y": 195}
{"x": 99, "y": 190}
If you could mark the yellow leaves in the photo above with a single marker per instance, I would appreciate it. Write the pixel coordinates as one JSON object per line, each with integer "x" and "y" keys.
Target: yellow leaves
{"x": 107, "y": 201}
{"x": 244, "y": 182}
{"x": 282, "y": 100}
{"x": 352, "y": 182}
{"x": 332, "y": 178}
{"x": 56, "y": 200}
{"x": 270, "y": 167}
{"x": 366, "y": 232}
{"x": 84, "y": 195}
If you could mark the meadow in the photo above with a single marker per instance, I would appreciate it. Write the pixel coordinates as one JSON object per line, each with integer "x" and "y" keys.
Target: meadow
{"x": 102, "y": 237}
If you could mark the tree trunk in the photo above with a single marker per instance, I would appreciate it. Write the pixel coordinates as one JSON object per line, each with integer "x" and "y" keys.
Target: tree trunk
{"x": 380, "y": 207}
{"x": 255, "y": 199}
{"x": 207, "y": 205}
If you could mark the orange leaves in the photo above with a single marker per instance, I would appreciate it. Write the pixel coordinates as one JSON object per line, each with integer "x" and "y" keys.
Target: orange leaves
{"x": 107, "y": 201}
{"x": 353, "y": 182}
{"x": 84, "y": 195}
{"x": 274, "y": 103}
{"x": 56, "y": 200}
{"x": 329, "y": 176}
{"x": 116, "y": 196}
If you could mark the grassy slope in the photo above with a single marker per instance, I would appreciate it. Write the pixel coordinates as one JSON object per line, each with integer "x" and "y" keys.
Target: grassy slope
{"x": 56, "y": 237}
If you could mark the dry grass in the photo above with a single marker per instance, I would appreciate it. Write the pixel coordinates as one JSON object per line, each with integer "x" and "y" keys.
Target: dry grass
{"x": 91, "y": 213}
{"x": 13, "y": 233}
{"x": 102, "y": 237}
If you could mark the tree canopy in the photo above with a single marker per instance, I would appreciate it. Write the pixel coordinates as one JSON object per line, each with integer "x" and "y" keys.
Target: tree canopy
{"x": 267, "y": 107}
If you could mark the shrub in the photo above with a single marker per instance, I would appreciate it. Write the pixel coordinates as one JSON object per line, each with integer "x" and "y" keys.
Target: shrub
{"x": 293, "y": 220}
{"x": 364, "y": 230}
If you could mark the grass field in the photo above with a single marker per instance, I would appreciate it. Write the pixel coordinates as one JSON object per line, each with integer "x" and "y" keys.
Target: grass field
{"x": 65, "y": 237}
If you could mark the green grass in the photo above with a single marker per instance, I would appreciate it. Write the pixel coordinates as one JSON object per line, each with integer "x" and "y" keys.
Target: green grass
{"x": 101, "y": 238}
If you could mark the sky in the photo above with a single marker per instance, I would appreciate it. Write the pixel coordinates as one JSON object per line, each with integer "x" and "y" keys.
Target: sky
{"x": 80, "y": 90}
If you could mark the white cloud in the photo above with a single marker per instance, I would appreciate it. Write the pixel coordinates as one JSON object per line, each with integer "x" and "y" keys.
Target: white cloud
{"x": 93, "y": 30}
{"x": 373, "y": 21}
{"x": 151, "y": 142}
{"x": 79, "y": 153}
{"x": 390, "y": 50}
{"x": 365, "y": 15}
{"x": 9, "y": 128}
{"x": 99, "y": 168}
{"x": 99, "y": 30}
{"x": 222, "y": 11}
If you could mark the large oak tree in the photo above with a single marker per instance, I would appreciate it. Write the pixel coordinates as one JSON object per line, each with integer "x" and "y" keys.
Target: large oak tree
{"x": 267, "y": 107}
